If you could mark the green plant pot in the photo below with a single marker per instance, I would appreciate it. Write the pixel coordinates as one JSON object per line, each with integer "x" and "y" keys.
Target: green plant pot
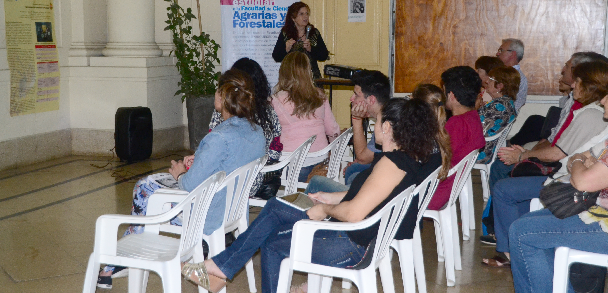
{"x": 199, "y": 111}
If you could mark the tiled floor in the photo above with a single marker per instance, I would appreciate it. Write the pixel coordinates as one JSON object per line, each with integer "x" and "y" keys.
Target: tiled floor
{"x": 47, "y": 221}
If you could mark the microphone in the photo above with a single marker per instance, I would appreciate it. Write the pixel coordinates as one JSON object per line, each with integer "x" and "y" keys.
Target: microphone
{"x": 307, "y": 30}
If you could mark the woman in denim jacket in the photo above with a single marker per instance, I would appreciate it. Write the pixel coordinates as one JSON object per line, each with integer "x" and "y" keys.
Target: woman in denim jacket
{"x": 232, "y": 144}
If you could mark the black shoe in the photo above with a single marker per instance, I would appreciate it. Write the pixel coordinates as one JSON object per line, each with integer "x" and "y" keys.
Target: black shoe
{"x": 104, "y": 282}
{"x": 489, "y": 239}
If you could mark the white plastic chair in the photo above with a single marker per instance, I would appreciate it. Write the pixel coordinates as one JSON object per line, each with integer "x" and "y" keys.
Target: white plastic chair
{"x": 564, "y": 257}
{"x": 238, "y": 186}
{"x": 389, "y": 216}
{"x": 148, "y": 250}
{"x": 337, "y": 148}
{"x": 410, "y": 250}
{"x": 536, "y": 205}
{"x": 467, "y": 207}
{"x": 295, "y": 162}
{"x": 446, "y": 224}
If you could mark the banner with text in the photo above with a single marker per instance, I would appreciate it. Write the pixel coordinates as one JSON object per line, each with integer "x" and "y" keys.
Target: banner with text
{"x": 250, "y": 28}
{"x": 32, "y": 56}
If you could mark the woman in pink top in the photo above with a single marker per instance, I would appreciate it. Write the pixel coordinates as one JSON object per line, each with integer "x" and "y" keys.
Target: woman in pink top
{"x": 302, "y": 109}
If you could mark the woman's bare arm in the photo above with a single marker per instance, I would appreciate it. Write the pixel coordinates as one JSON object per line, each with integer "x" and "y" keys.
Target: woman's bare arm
{"x": 384, "y": 178}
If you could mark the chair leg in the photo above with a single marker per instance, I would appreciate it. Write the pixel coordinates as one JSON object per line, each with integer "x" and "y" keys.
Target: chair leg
{"x": 326, "y": 284}
{"x": 485, "y": 175}
{"x": 561, "y": 270}
{"x": 406, "y": 261}
{"x": 285, "y": 274}
{"x": 386, "y": 275}
{"x": 138, "y": 280}
{"x": 368, "y": 284}
{"x": 446, "y": 230}
{"x": 250, "y": 276}
{"x": 90, "y": 277}
{"x": 418, "y": 261}
{"x": 439, "y": 240}
{"x": 346, "y": 284}
{"x": 249, "y": 265}
{"x": 171, "y": 278}
{"x": 314, "y": 283}
{"x": 464, "y": 209}
{"x": 471, "y": 209}
{"x": 456, "y": 241}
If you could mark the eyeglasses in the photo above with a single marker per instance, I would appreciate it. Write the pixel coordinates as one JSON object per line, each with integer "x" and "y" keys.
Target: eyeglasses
{"x": 492, "y": 79}
{"x": 500, "y": 50}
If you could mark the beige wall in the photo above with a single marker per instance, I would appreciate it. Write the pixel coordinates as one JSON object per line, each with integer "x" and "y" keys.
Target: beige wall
{"x": 362, "y": 45}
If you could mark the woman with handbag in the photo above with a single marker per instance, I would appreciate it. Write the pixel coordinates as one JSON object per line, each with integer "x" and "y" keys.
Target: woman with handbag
{"x": 535, "y": 236}
{"x": 511, "y": 196}
{"x": 407, "y": 131}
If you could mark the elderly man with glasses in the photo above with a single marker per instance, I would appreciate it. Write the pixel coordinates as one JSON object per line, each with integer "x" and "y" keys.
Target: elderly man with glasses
{"x": 511, "y": 52}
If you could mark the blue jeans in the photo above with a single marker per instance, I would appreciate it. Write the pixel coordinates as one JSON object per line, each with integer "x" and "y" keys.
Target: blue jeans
{"x": 499, "y": 171}
{"x": 271, "y": 232}
{"x": 353, "y": 170}
{"x": 511, "y": 200}
{"x": 320, "y": 183}
{"x": 534, "y": 238}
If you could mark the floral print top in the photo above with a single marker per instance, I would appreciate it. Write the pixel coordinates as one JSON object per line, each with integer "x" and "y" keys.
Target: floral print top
{"x": 495, "y": 116}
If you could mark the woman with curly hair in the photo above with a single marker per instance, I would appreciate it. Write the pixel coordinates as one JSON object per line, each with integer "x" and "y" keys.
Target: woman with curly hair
{"x": 407, "y": 131}
{"x": 303, "y": 110}
{"x": 298, "y": 34}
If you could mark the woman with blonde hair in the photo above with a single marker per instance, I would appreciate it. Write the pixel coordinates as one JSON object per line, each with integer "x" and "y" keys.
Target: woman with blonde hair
{"x": 303, "y": 109}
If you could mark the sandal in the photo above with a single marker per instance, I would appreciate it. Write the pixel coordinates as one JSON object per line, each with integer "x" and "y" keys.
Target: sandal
{"x": 496, "y": 262}
{"x": 204, "y": 279}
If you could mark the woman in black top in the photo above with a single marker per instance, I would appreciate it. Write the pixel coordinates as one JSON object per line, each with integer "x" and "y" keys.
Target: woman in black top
{"x": 408, "y": 132}
{"x": 299, "y": 35}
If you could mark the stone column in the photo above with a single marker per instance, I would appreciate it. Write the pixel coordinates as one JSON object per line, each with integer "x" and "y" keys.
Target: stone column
{"x": 131, "y": 29}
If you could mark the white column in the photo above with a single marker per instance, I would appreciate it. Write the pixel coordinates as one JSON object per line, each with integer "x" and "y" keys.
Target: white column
{"x": 131, "y": 29}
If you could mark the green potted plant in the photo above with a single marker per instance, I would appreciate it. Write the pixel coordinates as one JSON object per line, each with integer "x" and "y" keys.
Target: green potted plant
{"x": 196, "y": 62}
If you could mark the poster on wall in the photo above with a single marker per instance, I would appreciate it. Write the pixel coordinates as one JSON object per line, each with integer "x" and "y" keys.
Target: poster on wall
{"x": 250, "y": 28}
{"x": 33, "y": 60}
{"x": 356, "y": 10}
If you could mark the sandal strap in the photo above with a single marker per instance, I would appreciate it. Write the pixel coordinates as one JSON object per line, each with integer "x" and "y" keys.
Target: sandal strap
{"x": 199, "y": 270}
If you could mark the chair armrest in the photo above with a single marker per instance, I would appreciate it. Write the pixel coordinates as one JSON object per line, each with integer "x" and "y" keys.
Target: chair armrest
{"x": 275, "y": 167}
{"x": 158, "y": 199}
{"x": 106, "y": 228}
{"x": 304, "y": 231}
{"x": 171, "y": 191}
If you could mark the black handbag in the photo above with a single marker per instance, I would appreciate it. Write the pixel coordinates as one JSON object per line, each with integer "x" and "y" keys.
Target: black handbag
{"x": 535, "y": 167}
{"x": 563, "y": 200}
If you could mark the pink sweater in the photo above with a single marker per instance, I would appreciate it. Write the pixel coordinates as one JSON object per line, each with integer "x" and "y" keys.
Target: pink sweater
{"x": 297, "y": 130}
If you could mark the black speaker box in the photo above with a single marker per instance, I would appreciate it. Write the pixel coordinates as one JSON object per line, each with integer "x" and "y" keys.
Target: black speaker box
{"x": 133, "y": 133}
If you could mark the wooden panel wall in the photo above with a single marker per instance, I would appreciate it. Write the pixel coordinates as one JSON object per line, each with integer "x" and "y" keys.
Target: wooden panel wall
{"x": 432, "y": 36}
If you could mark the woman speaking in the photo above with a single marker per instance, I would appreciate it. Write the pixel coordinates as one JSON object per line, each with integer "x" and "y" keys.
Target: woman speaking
{"x": 299, "y": 35}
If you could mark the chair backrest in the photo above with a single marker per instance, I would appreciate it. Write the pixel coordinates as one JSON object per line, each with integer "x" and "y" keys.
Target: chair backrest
{"x": 390, "y": 217}
{"x": 195, "y": 208}
{"x": 296, "y": 162}
{"x": 238, "y": 186}
{"x": 425, "y": 192}
{"x": 337, "y": 148}
{"x": 502, "y": 140}
{"x": 462, "y": 171}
